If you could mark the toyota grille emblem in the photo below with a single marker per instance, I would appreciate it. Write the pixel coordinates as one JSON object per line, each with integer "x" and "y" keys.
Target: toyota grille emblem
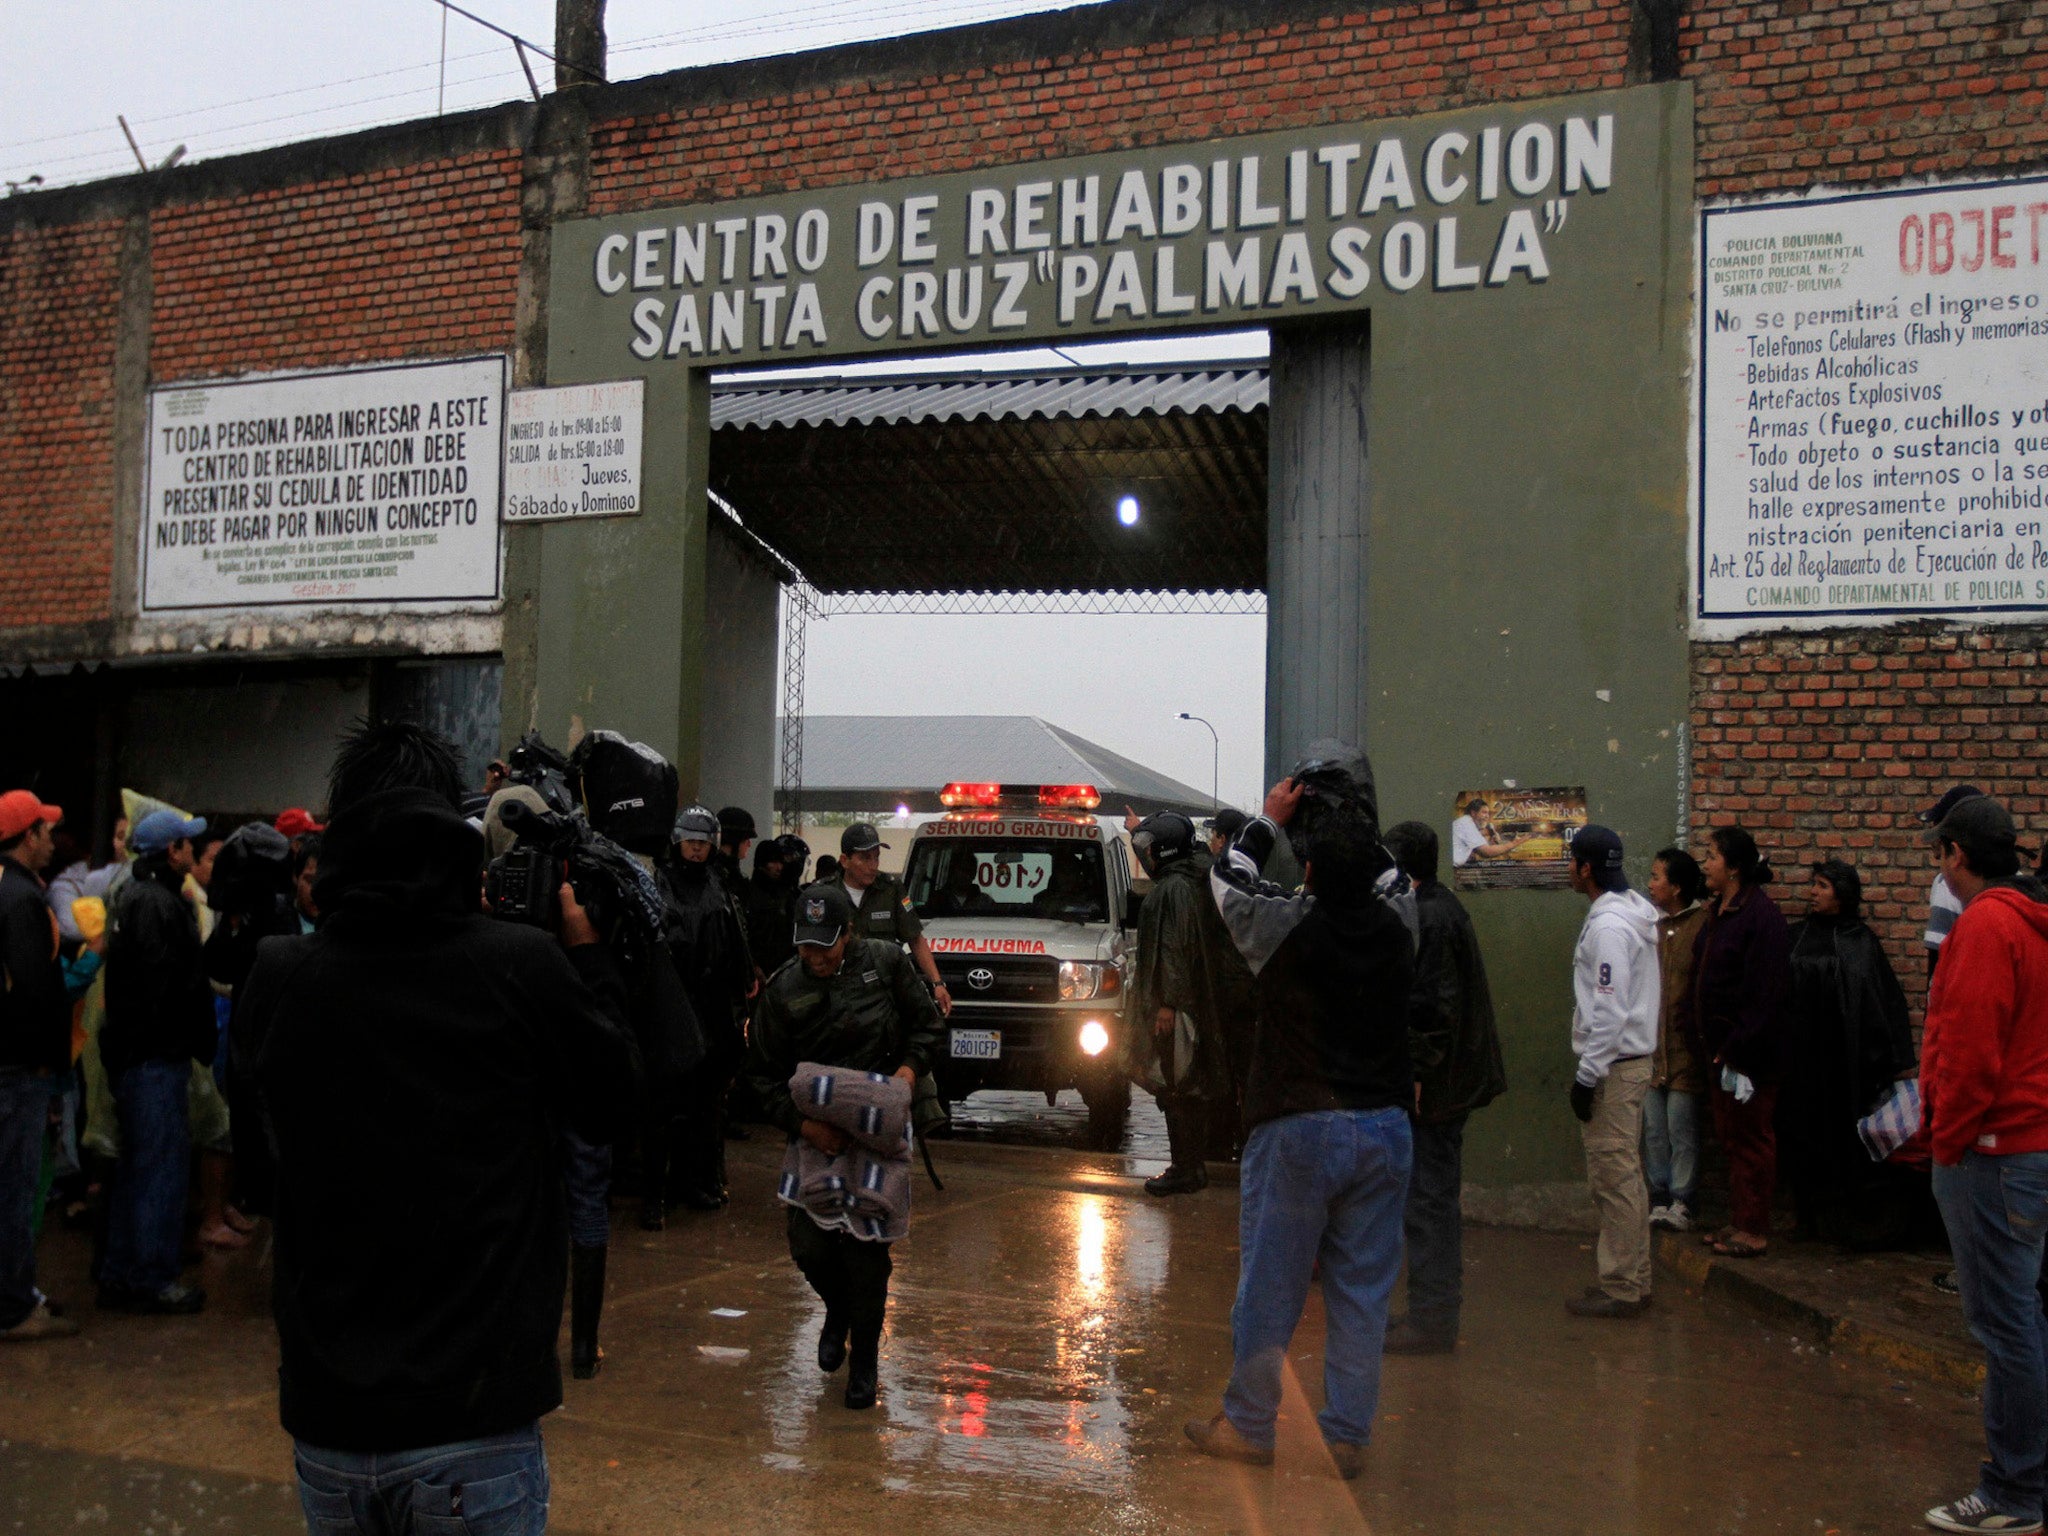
{"x": 981, "y": 978}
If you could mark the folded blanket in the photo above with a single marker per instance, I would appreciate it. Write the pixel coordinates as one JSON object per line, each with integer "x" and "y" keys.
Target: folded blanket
{"x": 871, "y": 1107}
{"x": 865, "y": 1191}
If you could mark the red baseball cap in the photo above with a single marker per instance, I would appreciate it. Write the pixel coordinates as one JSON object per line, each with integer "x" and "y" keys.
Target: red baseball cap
{"x": 295, "y": 822}
{"x": 20, "y": 810}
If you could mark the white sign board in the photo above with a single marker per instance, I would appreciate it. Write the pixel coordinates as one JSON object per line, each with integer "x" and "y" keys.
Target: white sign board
{"x": 1873, "y": 407}
{"x": 573, "y": 451}
{"x": 366, "y": 486}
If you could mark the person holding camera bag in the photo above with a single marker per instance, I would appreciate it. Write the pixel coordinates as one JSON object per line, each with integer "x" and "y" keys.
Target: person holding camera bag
{"x": 418, "y": 1062}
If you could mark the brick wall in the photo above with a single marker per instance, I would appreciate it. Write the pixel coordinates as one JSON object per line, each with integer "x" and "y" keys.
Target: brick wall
{"x": 414, "y": 261}
{"x": 1793, "y": 92}
{"x": 1831, "y": 745}
{"x": 59, "y": 290}
{"x": 1389, "y": 60}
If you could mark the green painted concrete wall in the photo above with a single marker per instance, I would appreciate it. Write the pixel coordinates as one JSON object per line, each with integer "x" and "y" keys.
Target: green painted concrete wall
{"x": 1527, "y": 551}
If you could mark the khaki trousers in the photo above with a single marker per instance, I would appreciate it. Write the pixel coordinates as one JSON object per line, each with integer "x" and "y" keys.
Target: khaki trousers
{"x": 1614, "y": 1169}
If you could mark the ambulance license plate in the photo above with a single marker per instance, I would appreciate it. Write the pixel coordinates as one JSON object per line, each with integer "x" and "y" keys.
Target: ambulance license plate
{"x": 978, "y": 1044}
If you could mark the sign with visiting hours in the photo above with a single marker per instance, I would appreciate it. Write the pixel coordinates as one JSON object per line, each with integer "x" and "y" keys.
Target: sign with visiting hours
{"x": 364, "y": 486}
{"x": 1873, "y": 407}
{"x": 573, "y": 451}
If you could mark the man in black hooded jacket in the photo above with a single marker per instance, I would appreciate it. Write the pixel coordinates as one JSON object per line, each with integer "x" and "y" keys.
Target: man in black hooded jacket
{"x": 1454, "y": 1049}
{"x": 418, "y": 1062}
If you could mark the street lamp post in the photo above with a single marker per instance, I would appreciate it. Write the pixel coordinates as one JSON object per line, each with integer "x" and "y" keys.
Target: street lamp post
{"x": 1215, "y": 756}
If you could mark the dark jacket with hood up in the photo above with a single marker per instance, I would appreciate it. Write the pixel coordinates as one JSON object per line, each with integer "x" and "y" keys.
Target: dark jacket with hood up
{"x": 159, "y": 1005}
{"x": 1453, "y": 1044}
{"x": 1186, "y": 962}
{"x": 418, "y": 1062}
{"x": 1332, "y": 981}
{"x": 707, "y": 940}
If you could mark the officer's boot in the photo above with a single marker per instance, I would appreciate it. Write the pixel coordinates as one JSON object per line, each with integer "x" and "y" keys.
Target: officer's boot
{"x": 1185, "y": 1123}
{"x": 832, "y": 1339}
{"x": 864, "y": 1372}
{"x": 586, "y": 1305}
{"x": 867, "y": 1306}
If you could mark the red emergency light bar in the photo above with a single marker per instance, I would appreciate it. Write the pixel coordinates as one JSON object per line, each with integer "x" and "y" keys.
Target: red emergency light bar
{"x": 953, "y": 796}
{"x": 1072, "y": 797}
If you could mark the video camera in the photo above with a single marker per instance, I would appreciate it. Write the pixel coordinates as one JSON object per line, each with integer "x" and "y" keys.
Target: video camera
{"x": 523, "y": 884}
{"x": 539, "y": 766}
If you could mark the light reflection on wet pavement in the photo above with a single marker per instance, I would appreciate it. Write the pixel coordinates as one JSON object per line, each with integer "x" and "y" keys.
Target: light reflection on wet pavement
{"x": 1015, "y": 1117}
{"x": 1050, "y": 1330}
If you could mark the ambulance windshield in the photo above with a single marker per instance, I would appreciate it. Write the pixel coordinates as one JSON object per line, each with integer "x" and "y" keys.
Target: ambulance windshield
{"x": 1008, "y": 877}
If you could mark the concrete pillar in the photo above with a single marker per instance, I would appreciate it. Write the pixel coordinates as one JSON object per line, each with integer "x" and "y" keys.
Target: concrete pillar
{"x": 742, "y": 627}
{"x": 579, "y": 43}
{"x": 618, "y": 612}
{"x": 1317, "y": 502}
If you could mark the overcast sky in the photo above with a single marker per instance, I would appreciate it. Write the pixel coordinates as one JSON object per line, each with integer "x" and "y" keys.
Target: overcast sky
{"x": 221, "y": 76}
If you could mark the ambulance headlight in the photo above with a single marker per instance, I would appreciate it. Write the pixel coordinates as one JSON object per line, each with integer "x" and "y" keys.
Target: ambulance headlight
{"x": 1079, "y": 980}
{"x": 1094, "y": 1038}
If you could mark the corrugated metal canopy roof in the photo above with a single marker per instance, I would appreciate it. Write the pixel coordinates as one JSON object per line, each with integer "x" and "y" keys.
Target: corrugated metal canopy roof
{"x": 1004, "y": 482}
{"x": 951, "y": 397}
{"x": 872, "y": 762}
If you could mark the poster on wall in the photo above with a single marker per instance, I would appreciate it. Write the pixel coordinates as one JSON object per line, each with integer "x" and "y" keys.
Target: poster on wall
{"x": 360, "y": 486}
{"x": 1514, "y": 839}
{"x": 1873, "y": 407}
{"x": 573, "y": 451}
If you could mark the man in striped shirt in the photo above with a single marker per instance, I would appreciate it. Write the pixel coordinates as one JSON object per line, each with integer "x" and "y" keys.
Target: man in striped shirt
{"x": 1943, "y": 906}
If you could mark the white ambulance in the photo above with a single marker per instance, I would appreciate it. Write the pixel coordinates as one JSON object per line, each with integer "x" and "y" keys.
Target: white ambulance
{"x": 1025, "y": 895}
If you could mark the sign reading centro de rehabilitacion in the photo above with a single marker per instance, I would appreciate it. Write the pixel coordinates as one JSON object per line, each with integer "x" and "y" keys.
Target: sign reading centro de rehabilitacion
{"x": 1261, "y": 229}
{"x": 574, "y": 451}
{"x": 369, "y": 485}
{"x": 1873, "y": 406}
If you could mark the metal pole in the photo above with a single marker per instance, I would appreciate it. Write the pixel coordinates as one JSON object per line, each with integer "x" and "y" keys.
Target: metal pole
{"x": 1215, "y": 758}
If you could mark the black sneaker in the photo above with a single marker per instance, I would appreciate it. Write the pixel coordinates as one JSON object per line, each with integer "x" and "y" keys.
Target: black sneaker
{"x": 1404, "y": 1338}
{"x": 1178, "y": 1181}
{"x": 1945, "y": 1282}
{"x": 1973, "y": 1512}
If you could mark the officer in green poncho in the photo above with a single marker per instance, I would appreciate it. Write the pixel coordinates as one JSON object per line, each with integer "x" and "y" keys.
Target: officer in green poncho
{"x": 1190, "y": 997}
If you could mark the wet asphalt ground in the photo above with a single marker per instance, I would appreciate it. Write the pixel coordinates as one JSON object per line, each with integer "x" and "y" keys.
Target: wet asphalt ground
{"x": 1051, "y": 1328}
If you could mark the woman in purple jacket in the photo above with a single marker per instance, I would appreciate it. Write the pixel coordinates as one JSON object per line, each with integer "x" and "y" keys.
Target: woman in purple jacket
{"x": 1742, "y": 975}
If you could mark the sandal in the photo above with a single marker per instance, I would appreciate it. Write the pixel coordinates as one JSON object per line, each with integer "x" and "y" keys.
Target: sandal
{"x": 1738, "y": 1246}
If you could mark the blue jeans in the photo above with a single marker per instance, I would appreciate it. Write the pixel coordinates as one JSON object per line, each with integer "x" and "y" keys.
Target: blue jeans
{"x": 587, "y": 1184}
{"x": 24, "y": 1113}
{"x": 1326, "y": 1186}
{"x": 146, "y": 1207}
{"x": 1434, "y": 1225}
{"x": 1996, "y": 1211}
{"x": 1671, "y": 1146}
{"x": 491, "y": 1487}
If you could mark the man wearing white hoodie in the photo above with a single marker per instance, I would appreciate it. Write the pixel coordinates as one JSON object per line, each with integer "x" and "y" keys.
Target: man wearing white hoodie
{"x": 1614, "y": 1034}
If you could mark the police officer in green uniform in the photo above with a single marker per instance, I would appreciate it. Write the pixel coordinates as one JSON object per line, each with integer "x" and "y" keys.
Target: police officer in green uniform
{"x": 881, "y": 906}
{"x": 844, "y": 1001}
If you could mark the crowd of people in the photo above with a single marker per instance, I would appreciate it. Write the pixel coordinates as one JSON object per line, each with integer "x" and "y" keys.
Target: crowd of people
{"x": 312, "y": 1015}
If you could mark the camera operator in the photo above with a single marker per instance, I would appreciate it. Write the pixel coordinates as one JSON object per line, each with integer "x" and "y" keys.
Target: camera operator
{"x": 419, "y": 1062}
{"x": 707, "y": 940}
